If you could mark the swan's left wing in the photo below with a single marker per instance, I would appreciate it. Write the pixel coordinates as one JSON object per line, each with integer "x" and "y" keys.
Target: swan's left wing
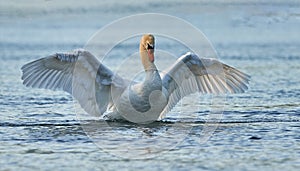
{"x": 190, "y": 74}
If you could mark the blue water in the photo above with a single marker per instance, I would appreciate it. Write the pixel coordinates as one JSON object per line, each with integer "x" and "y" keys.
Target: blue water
{"x": 259, "y": 129}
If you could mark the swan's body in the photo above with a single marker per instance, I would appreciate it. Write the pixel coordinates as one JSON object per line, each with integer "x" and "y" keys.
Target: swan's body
{"x": 98, "y": 89}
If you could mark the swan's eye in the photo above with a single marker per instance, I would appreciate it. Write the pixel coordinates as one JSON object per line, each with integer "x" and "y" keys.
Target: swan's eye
{"x": 149, "y": 46}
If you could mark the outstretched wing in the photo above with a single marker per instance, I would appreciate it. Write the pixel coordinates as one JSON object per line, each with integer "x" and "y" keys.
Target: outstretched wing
{"x": 78, "y": 73}
{"x": 190, "y": 74}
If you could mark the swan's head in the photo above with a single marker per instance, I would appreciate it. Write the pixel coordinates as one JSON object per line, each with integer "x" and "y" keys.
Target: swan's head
{"x": 147, "y": 45}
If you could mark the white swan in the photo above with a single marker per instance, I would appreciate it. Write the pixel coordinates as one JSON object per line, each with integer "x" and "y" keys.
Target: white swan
{"x": 98, "y": 89}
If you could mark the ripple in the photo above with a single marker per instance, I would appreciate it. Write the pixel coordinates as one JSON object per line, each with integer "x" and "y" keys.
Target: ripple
{"x": 39, "y": 124}
{"x": 38, "y": 151}
{"x": 166, "y": 121}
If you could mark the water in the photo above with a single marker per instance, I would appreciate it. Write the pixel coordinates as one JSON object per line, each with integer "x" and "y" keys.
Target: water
{"x": 259, "y": 129}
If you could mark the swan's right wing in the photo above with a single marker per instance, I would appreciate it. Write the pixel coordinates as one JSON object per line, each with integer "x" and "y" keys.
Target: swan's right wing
{"x": 78, "y": 73}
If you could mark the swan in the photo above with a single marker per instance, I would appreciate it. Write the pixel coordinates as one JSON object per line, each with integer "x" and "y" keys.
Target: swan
{"x": 101, "y": 92}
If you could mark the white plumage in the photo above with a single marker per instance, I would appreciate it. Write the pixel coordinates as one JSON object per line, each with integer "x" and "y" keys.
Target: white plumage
{"x": 97, "y": 88}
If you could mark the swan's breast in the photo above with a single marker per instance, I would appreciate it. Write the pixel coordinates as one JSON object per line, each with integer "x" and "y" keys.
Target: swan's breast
{"x": 140, "y": 108}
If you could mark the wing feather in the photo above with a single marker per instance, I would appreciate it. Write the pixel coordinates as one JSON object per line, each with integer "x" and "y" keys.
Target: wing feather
{"x": 190, "y": 74}
{"x": 78, "y": 73}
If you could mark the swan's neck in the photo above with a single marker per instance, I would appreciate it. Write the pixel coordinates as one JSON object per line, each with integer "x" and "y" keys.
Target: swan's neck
{"x": 148, "y": 65}
{"x": 152, "y": 80}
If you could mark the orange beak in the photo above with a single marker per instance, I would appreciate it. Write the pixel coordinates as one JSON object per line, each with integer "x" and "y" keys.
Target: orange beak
{"x": 151, "y": 55}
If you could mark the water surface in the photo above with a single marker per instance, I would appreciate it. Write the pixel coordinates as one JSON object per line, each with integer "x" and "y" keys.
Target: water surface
{"x": 259, "y": 129}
